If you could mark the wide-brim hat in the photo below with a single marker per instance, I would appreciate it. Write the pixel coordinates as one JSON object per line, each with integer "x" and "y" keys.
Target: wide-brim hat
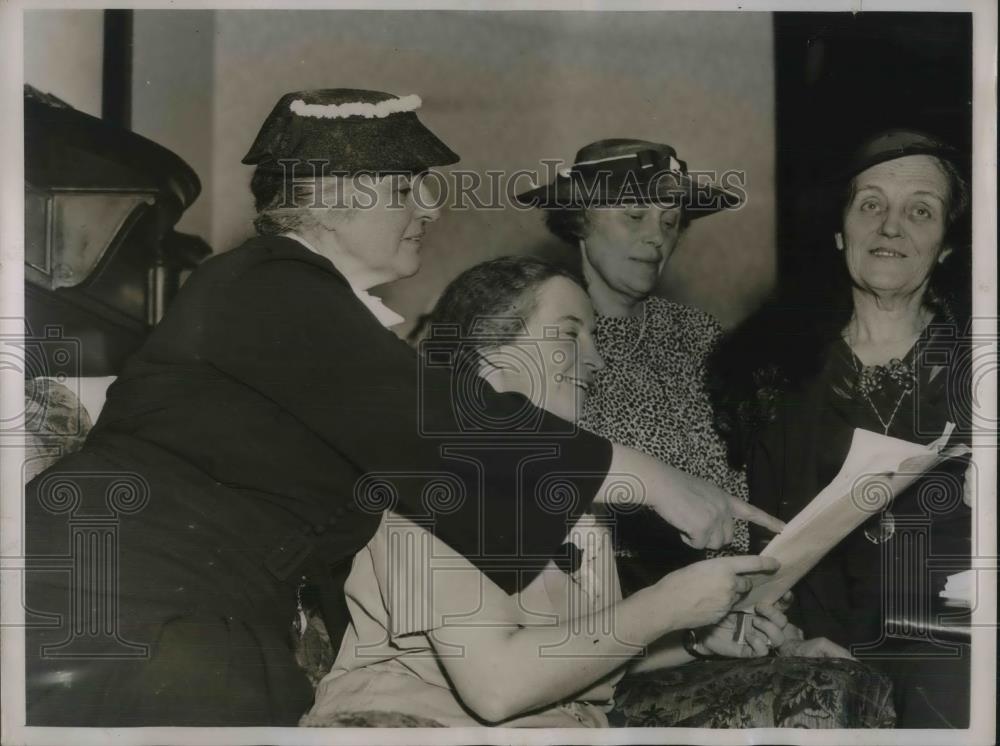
{"x": 892, "y": 144}
{"x": 346, "y": 131}
{"x": 626, "y": 171}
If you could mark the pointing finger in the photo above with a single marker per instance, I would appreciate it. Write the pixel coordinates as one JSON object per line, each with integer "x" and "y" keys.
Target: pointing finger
{"x": 750, "y": 563}
{"x": 756, "y": 515}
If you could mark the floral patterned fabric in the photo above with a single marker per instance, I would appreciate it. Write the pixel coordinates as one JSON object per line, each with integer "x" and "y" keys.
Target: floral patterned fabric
{"x": 376, "y": 719}
{"x": 760, "y": 693}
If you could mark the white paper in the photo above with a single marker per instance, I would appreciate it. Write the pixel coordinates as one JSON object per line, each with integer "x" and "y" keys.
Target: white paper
{"x": 876, "y": 470}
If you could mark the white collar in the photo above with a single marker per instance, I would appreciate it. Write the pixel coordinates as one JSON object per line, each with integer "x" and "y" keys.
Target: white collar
{"x": 385, "y": 315}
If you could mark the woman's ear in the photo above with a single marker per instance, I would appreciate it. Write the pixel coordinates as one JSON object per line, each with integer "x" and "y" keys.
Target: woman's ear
{"x": 838, "y": 239}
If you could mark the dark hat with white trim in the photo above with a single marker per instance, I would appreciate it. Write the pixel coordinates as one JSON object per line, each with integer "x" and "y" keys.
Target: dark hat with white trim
{"x": 346, "y": 131}
{"x": 625, "y": 171}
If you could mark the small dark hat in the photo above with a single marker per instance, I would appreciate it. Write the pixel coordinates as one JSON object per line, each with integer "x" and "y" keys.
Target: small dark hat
{"x": 346, "y": 131}
{"x": 625, "y": 171}
{"x": 892, "y": 144}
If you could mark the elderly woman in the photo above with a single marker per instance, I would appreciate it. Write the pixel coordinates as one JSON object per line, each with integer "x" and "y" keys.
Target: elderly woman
{"x": 524, "y": 326}
{"x": 624, "y": 206}
{"x": 233, "y": 449}
{"x": 885, "y": 356}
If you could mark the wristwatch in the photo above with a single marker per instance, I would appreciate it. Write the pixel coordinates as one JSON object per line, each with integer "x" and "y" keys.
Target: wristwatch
{"x": 691, "y": 646}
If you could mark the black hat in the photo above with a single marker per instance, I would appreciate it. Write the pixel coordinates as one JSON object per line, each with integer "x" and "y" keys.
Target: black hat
{"x": 346, "y": 131}
{"x": 892, "y": 144}
{"x": 625, "y": 171}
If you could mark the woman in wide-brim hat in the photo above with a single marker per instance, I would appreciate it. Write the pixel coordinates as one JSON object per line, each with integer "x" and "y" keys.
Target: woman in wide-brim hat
{"x": 261, "y": 431}
{"x": 624, "y": 206}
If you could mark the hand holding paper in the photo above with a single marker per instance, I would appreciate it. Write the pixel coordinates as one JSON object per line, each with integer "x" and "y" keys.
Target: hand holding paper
{"x": 877, "y": 469}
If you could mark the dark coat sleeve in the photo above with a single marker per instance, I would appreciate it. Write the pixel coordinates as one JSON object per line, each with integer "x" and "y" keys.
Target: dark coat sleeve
{"x": 294, "y": 332}
{"x": 781, "y": 477}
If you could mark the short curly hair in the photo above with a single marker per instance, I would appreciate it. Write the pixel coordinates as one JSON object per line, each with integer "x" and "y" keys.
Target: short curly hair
{"x": 569, "y": 224}
{"x": 282, "y": 203}
{"x": 271, "y": 193}
{"x": 490, "y": 302}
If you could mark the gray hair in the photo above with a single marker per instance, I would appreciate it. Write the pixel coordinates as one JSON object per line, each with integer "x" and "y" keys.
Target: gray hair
{"x": 282, "y": 205}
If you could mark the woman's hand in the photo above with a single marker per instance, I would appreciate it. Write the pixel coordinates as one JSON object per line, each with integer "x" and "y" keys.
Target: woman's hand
{"x": 785, "y": 602}
{"x": 720, "y": 639}
{"x": 702, "y": 593}
{"x": 766, "y": 629}
{"x": 702, "y": 512}
{"x": 705, "y": 514}
{"x": 817, "y": 647}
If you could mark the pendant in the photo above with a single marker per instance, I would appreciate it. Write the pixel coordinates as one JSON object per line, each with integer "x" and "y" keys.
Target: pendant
{"x": 883, "y": 530}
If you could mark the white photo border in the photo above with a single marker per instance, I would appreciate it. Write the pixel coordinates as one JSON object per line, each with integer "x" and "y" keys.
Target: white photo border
{"x": 983, "y": 725}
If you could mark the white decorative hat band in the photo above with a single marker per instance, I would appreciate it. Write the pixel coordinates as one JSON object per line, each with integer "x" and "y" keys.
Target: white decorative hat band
{"x": 621, "y": 164}
{"x": 381, "y": 110}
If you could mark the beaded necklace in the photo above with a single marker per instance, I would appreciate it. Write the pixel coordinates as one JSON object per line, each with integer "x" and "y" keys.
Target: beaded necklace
{"x": 872, "y": 378}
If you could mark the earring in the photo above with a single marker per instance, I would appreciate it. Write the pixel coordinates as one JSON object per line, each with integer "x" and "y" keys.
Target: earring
{"x": 838, "y": 238}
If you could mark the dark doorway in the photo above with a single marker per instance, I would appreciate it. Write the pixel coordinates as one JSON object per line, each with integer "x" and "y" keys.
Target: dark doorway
{"x": 841, "y": 77}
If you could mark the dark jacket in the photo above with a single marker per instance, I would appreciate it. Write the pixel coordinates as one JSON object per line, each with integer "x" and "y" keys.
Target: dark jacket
{"x": 851, "y": 592}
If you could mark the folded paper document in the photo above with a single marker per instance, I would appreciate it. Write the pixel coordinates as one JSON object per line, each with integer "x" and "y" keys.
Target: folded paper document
{"x": 877, "y": 469}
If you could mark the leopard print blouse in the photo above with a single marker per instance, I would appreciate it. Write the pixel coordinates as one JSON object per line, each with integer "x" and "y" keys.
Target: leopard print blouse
{"x": 651, "y": 394}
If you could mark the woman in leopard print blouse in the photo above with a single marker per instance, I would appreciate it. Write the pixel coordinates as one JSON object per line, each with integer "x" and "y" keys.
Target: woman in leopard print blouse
{"x": 651, "y": 394}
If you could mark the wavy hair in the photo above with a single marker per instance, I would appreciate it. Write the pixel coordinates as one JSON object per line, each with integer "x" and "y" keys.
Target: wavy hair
{"x": 491, "y": 302}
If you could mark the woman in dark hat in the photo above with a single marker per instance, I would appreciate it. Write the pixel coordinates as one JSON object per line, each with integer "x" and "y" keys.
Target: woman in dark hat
{"x": 624, "y": 207}
{"x": 255, "y": 439}
{"x": 877, "y": 345}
